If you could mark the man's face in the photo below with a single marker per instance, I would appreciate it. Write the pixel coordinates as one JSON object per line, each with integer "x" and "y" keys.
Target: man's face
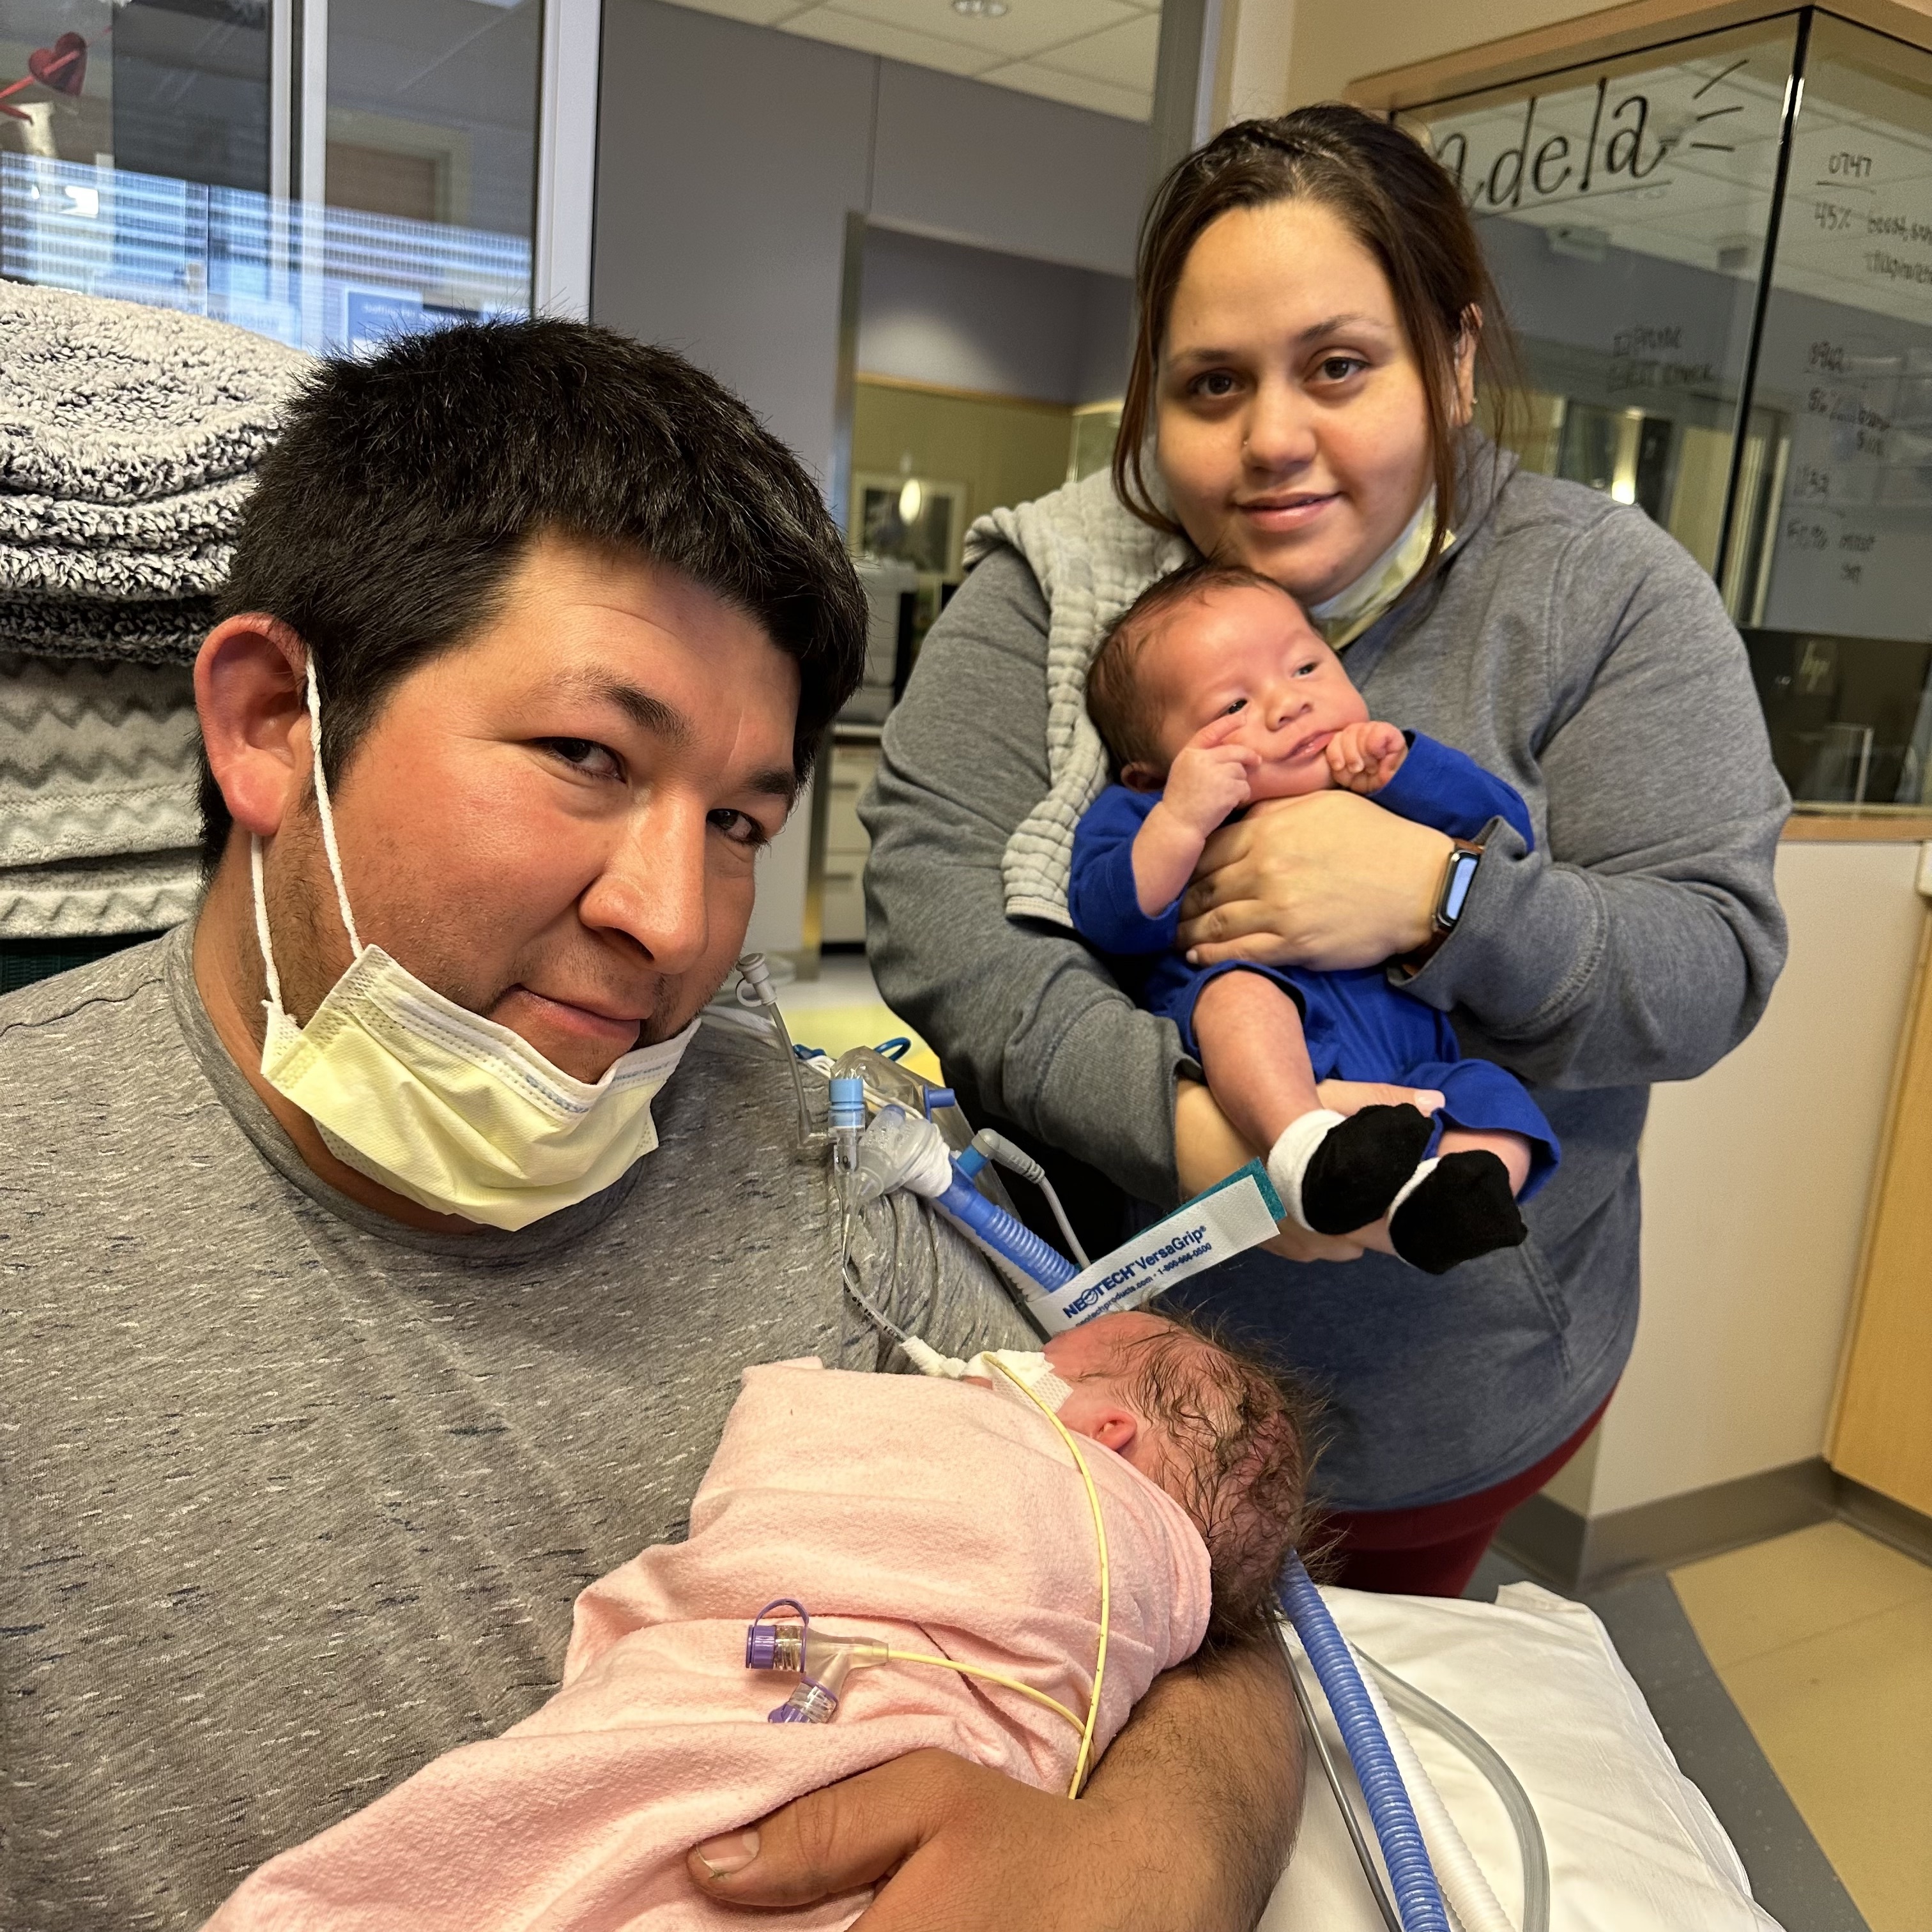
{"x": 555, "y": 824}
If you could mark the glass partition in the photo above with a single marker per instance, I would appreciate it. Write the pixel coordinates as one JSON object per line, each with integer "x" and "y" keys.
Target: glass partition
{"x": 1839, "y": 619}
{"x": 152, "y": 151}
{"x": 1718, "y": 256}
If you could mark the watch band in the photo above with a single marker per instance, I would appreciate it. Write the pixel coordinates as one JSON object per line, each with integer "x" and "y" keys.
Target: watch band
{"x": 1458, "y": 873}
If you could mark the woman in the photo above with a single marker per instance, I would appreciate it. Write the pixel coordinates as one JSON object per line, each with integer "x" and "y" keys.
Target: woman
{"x": 1313, "y": 303}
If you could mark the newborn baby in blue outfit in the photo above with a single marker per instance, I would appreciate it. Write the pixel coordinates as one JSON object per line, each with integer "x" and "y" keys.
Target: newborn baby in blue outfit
{"x": 1212, "y": 692}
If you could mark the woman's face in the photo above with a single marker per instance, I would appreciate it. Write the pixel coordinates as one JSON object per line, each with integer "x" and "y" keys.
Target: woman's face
{"x": 1292, "y": 424}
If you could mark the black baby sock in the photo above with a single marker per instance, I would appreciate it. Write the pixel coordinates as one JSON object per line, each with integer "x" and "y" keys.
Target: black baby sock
{"x": 1455, "y": 1208}
{"x": 1336, "y": 1173}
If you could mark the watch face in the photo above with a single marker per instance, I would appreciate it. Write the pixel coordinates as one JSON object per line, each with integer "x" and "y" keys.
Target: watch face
{"x": 1456, "y": 889}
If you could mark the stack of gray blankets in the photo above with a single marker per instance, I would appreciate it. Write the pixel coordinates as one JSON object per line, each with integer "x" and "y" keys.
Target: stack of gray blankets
{"x": 128, "y": 441}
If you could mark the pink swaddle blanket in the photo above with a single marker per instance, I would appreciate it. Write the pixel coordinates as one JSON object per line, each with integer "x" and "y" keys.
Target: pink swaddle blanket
{"x": 937, "y": 1516}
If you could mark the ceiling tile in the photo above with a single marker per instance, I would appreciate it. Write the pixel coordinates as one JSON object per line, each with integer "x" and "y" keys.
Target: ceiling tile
{"x": 758, "y": 13}
{"x": 1027, "y": 28}
{"x": 900, "y": 43}
{"x": 1122, "y": 56}
{"x": 1075, "y": 90}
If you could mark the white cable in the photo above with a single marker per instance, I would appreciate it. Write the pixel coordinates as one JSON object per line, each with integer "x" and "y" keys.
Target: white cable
{"x": 1468, "y": 1893}
{"x": 1016, "y": 1160}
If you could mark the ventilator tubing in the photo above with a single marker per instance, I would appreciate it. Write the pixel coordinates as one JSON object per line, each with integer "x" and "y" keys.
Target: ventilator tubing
{"x": 1009, "y": 1238}
{"x": 1418, "y": 1898}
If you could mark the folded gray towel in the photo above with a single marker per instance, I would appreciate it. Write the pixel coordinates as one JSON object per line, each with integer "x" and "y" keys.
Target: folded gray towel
{"x": 96, "y": 760}
{"x": 37, "y": 572}
{"x": 92, "y": 898}
{"x": 210, "y": 514}
{"x": 169, "y": 631}
{"x": 111, "y": 402}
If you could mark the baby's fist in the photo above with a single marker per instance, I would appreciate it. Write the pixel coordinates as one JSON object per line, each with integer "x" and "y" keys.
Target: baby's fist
{"x": 1364, "y": 758}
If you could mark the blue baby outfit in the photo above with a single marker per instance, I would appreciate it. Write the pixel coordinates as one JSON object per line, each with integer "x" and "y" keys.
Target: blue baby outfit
{"x": 1358, "y": 1026}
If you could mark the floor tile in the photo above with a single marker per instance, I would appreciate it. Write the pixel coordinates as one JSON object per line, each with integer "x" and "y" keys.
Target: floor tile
{"x": 1749, "y": 1601}
{"x": 1845, "y": 1718}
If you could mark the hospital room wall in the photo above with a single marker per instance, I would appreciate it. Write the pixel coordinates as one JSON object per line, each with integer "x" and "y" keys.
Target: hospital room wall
{"x": 729, "y": 156}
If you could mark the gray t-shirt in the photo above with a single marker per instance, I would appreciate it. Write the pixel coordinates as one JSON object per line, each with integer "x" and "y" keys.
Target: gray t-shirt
{"x": 293, "y": 1498}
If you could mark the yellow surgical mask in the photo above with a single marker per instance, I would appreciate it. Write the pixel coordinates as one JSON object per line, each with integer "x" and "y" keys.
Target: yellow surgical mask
{"x": 456, "y": 1112}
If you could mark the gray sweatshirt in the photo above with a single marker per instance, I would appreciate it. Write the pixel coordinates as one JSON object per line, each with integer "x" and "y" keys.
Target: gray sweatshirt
{"x": 1571, "y": 647}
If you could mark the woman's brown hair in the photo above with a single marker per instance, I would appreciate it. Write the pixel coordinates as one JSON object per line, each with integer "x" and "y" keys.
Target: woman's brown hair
{"x": 1397, "y": 201}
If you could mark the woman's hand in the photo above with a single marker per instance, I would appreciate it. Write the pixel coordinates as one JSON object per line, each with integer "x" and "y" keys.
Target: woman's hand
{"x": 1206, "y": 1149}
{"x": 1328, "y": 881}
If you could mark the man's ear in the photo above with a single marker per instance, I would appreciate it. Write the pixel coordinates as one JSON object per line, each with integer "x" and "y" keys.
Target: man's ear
{"x": 249, "y": 692}
{"x": 1139, "y": 775}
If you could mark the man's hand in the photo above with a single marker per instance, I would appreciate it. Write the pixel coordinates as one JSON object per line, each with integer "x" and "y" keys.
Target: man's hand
{"x": 1364, "y": 758}
{"x": 1185, "y": 1827}
{"x": 953, "y": 1846}
{"x": 1209, "y": 777}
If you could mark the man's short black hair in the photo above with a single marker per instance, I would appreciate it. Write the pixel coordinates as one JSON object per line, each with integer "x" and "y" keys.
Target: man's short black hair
{"x": 404, "y": 489}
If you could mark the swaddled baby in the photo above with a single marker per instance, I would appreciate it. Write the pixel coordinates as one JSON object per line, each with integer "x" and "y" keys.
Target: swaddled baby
{"x": 944, "y": 1517}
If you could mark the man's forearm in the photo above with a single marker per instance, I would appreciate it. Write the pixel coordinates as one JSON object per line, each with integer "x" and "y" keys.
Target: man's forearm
{"x": 1213, "y": 1757}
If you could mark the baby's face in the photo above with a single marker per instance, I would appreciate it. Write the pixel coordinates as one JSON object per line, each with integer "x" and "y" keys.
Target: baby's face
{"x": 1250, "y": 650}
{"x": 1090, "y": 1360}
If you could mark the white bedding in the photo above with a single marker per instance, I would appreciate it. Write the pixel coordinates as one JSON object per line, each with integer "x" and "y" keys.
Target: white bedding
{"x": 1633, "y": 1846}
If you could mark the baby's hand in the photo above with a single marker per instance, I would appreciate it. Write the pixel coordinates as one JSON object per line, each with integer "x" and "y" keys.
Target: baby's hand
{"x": 1364, "y": 758}
{"x": 1209, "y": 777}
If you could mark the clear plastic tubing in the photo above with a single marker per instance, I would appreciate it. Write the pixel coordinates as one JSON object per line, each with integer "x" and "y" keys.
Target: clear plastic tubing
{"x": 1418, "y": 1898}
{"x": 1007, "y": 1237}
{"x": 1423, "y": 1709}
{"x": 1464, "y": 1882}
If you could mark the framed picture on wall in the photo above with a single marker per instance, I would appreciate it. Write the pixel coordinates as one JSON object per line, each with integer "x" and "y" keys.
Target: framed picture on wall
{"x": 916, "y": 519}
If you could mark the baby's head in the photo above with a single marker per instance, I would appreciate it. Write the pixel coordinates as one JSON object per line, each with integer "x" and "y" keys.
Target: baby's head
{"x": 1206, "y": 641}
{"x": 1226, "y": 1434}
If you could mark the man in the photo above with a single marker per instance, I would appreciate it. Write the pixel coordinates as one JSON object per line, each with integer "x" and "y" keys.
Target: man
{"x": 372, "y": 1281}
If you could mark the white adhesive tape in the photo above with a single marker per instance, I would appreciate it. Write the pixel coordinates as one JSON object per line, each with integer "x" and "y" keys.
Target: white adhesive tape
{"x": 1239, "y": 1214}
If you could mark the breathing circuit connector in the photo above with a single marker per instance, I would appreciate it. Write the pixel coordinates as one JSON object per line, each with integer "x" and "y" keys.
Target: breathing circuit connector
{"x": 846, "y": 1120}
{"x": 988, "y": 1145}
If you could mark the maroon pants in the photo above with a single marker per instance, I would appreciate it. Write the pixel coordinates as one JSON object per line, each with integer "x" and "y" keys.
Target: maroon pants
{"x": 1433, "y": 1551}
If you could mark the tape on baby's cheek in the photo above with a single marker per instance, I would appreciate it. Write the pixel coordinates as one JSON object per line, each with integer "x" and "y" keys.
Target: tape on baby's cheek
{"x": 1029, "y": 1366}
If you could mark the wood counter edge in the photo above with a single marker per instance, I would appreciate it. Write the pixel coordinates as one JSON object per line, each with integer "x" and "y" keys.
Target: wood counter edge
{"x": 1836, "y": 828}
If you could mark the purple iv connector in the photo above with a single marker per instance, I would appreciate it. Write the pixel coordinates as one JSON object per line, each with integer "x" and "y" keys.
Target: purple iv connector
{"x": 820, "y": 1662}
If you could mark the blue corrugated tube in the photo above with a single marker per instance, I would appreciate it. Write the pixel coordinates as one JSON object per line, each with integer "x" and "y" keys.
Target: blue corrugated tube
{"x": 1418, "y": 1899}
{"x": 1008, "y": 1238}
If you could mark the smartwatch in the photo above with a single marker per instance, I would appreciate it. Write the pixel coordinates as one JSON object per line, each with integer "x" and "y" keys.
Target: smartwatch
{"x": 1458, "y": 875}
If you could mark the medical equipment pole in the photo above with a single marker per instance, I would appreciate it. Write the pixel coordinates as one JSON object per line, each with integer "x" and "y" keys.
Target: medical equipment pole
{"x": 1418, "y": 1898}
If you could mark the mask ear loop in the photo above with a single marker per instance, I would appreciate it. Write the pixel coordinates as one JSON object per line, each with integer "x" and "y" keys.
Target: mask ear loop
{"x": 327, "y": 813}
{"x": 262, "y": 923}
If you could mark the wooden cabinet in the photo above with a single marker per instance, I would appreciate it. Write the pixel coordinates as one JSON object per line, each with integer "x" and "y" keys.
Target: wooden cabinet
{"x": 1882, "y": 1432}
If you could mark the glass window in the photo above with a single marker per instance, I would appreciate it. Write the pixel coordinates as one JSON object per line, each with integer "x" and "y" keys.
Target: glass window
{"x": 430, "y": 162}
{"x": 1839, "y": 617}
{"x": 142, "y": 146}
{"x": 1624, "y": 207}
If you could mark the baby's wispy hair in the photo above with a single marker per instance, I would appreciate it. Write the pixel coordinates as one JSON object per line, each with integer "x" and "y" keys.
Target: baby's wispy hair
{"x": 1243, "y": 1425}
